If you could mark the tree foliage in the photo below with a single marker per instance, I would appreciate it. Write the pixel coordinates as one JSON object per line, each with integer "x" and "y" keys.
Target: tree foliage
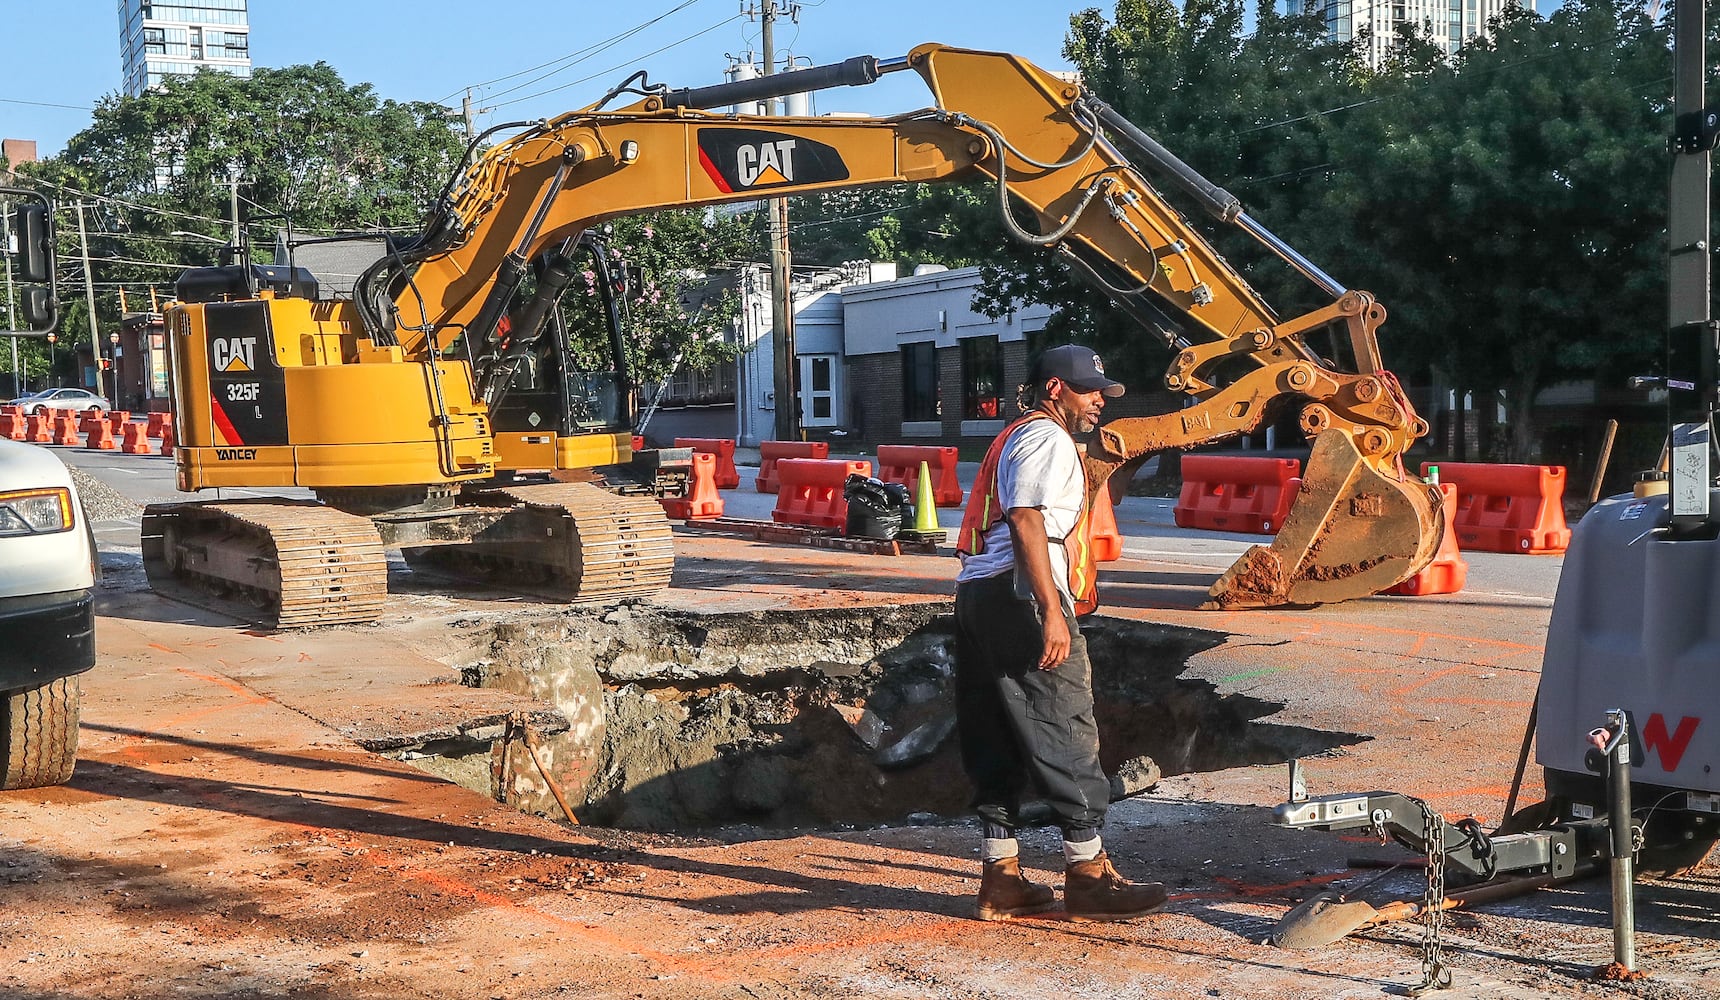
{"x": 903, "y": 223}
{"x": 677, "y": 307}
{"x": 328, "y": 157}
{"x": 1509, "y": 206}
{"x": 306, "y": 146}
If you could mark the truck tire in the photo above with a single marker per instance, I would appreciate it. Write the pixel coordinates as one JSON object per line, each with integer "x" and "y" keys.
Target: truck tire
{"x": 1674, "y": 857}
{"x": 39, "y": 734}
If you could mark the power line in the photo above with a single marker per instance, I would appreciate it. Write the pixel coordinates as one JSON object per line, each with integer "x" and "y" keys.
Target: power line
{"x": 833, "y": 220}
{"x": 121, "y": 201}
{"x": 45, "y": 104}
{"x": 619, "y": 66}
{"x": 573, "y": 58}
{"x": 140, "y": 263}
{"x": 1621, "y": 37}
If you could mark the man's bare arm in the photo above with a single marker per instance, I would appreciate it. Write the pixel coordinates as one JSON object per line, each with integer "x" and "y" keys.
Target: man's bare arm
{"x": 1033, "y": 557}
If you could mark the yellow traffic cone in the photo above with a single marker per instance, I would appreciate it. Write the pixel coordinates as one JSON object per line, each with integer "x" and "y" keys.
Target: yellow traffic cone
{"x": 925, "y": 511}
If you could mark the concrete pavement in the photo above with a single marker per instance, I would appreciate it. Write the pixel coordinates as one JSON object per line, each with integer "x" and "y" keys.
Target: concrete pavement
{"x": 291, "y": 863}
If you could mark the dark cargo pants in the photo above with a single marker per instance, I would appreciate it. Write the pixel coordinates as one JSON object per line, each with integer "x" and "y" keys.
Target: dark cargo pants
{"x": 1025, "y": 730}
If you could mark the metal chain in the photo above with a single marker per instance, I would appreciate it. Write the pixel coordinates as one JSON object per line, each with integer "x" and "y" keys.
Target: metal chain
{"x": 1434, "y": 974}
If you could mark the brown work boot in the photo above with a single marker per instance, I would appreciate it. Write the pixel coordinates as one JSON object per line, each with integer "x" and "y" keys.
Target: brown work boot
{"x": 1004, "y": 892}
{"x": 1092, "y": 890}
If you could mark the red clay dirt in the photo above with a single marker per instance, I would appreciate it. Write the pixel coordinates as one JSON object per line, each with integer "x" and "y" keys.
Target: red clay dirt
{"x": 224, "y": 837}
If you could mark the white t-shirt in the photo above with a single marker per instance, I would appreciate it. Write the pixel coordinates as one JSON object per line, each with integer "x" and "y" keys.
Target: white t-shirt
{"x": 1041, "y": 468}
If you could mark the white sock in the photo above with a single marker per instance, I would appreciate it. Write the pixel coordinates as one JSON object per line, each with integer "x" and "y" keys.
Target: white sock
{"x": 997, "y": 850}
{"x": 1086, "y": 850}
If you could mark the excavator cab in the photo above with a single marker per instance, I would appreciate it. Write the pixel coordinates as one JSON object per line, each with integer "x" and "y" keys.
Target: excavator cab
{"x": 565, "y": 401}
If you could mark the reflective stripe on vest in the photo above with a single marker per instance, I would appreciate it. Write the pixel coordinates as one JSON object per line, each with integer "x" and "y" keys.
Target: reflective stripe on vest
{"x": 984, "y": 512}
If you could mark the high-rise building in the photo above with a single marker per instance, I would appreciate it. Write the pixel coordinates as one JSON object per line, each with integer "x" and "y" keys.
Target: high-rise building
{"x": 175, "y": 38}
{"x": 1448, "y": 23}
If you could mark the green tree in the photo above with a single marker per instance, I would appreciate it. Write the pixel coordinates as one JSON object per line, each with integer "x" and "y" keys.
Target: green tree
{"x": 306, "y": 146}
{"x": 1219, "y": 100}
{"x": 899, "y": 223}
{"x": 677, "y": 310}
{"x": 1508, "y": 206}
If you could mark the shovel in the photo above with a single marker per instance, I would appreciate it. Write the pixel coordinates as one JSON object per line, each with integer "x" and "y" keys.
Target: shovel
{"x": 1328, "y": 917}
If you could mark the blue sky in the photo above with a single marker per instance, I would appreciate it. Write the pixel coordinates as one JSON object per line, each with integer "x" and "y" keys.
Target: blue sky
{"x": 431, "y": 50}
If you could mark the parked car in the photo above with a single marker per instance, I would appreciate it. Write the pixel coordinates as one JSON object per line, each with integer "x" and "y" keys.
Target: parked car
{"x": 60, "y": 399}
{"x": 48, "y": 572}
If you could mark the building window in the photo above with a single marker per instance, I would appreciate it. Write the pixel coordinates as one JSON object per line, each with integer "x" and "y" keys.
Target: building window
{"x": 982, "y": 373}
{"x": 820, "y": 388}
{"x": 920, "y": 382}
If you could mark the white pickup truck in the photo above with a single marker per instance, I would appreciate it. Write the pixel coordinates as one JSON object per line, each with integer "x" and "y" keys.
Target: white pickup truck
{"x": 48, "y": 571}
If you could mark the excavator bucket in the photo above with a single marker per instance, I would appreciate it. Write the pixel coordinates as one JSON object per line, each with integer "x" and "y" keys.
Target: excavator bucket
{"x": 1354, "y": 530}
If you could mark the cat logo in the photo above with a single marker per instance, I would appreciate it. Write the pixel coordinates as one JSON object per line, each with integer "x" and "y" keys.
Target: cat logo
{"x": 743, "y": 159}
{"x": 766, "y": 163}
{"x": 233, "y": 354}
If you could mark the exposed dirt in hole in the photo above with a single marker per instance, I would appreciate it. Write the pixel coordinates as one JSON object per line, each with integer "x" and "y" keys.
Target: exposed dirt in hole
{"x": 829, "y": 718}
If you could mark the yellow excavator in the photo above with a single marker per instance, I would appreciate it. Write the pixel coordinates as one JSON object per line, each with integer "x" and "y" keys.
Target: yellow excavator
{"x": 392, "y": 406}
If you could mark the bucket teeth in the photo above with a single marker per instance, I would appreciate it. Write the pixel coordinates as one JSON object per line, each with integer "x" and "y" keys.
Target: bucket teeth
{"x": 1354, "y": 530}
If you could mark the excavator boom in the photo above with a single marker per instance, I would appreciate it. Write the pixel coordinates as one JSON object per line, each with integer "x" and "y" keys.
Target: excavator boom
{"x": 1361, "y": 524}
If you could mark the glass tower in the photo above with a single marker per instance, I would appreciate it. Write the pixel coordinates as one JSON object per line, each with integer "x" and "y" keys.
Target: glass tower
{"x": 1449, "y": 23}
{"x": 158, "y": 40}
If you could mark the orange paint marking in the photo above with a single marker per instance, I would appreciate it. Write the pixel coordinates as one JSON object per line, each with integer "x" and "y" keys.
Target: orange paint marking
{"x": 449, "y": 883}
{"x": 943, "y": 930}
{"x": 1429, "y": 679}
{"x": 1478, "y": 702}
{"x": 226, "y": 682}
{"x": 1488, "y": 791}
{"x": 1251, "y": 890}
{"x": 248, "y": 697}
{"x": 1384, "y": 630}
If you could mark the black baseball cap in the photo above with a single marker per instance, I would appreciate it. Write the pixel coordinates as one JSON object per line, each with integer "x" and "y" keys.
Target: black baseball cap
{"x": 1077, "y": 367}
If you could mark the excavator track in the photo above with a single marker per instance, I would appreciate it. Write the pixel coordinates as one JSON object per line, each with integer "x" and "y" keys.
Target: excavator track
{"x": 278, "y": 563}
{"x": 572, "y": 542}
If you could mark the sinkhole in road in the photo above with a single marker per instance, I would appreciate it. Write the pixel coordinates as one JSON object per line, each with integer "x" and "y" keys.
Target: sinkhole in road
{"x": 830, "y": 717}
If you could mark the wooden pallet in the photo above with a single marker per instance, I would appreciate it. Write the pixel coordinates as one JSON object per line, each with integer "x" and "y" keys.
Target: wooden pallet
{"x": 923, "y": 543}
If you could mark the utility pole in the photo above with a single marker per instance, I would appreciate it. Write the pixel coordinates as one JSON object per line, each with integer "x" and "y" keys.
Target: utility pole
{"x": 787, "y": 424}
{"x": 233, "y": 173}
{"x": 468, "y": 115}
{"x": 90, "y": 299}
{"x": 1692, "y": 341}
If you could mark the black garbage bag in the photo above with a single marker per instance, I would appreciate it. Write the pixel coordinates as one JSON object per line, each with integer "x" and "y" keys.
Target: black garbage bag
{"x": 899, "y": 495}
{"x": 872, "y": 511}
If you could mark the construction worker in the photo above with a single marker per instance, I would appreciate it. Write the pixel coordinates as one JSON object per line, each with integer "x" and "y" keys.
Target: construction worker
{"x": 1024, "y": 686}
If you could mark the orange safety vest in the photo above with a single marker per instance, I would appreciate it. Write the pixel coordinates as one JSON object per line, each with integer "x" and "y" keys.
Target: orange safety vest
{"x": 984, "y": 511}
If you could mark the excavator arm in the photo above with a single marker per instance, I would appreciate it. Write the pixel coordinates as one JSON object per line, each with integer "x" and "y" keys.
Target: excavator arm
{"x": 1360, "y": 524}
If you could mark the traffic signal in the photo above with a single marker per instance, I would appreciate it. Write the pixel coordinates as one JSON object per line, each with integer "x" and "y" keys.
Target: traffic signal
{"x": 31, "y": 223}
{"x": 35, "y": 306}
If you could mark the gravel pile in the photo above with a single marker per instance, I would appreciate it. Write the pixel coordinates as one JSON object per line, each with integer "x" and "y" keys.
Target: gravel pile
{"x": 101, "y": 501}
